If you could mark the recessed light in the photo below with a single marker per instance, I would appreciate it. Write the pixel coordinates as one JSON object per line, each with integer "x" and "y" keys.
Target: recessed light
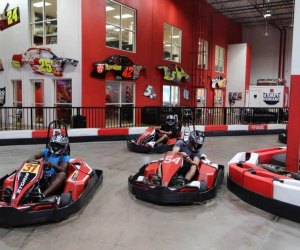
{"x": 123, "y": 16}
{"x": 40, "y": 4}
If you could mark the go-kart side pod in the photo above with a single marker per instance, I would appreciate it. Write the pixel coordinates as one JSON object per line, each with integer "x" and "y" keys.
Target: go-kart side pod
{"x": 47, "y": 210}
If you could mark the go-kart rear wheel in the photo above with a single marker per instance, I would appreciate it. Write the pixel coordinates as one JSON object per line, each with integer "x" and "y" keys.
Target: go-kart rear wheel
{"x": 65, "y": 199}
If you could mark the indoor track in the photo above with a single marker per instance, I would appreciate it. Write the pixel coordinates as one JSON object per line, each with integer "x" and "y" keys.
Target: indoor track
{"x": 115, "y": 220}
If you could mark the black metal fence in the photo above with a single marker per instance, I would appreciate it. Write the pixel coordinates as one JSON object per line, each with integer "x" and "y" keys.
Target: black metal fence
{"x": 34, "y": 118}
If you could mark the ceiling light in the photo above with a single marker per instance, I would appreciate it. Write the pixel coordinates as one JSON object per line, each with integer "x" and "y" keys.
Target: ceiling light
{"x": 123, "y": 16}
{"x": 109, "y": 8}
{"x": 267, "y": 14}
{"x": 40, "y": 4}
{"x": 176, "y": 36}
{"x": 109, "y": 26}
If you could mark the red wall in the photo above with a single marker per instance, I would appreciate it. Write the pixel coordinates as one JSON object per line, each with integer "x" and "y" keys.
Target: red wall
{"x": 151, "y": 16}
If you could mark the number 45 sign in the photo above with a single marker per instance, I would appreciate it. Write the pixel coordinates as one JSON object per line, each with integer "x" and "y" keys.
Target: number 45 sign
{"x": 9, "y": 17}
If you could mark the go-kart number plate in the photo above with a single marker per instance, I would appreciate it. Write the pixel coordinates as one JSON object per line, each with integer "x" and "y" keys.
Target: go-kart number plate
{"x": 31, "y": 168}
{"x": 169, "y": 158}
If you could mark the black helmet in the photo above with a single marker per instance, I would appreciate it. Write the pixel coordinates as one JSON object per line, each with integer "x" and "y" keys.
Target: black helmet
{"x": 58, "y": 144}
{"x": 196, "y": 140}
{"x": 171, "y": 120}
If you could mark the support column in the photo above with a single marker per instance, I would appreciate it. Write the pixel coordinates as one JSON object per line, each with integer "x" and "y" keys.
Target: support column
{"x": 293, "y": 142}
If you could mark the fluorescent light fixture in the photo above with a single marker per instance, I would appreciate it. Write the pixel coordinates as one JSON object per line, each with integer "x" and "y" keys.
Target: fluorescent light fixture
{"x": 40, "y": 4}
{"x": 111, "y": 39}
{"x": 176, "y": 36}
{"x": 109, "y": 8}
{"x": 109, "y": 26}
{"x": 123, "y": 16}
{"x": 267, "y": 14}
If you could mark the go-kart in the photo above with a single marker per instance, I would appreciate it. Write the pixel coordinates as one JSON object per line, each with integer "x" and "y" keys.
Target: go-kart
{"x": 143, "y": 185}
{"x": 143, "y": 143}
{"x": 21, "y": 199}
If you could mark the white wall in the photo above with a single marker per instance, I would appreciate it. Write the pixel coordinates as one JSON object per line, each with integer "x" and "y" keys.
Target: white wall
{"x": 236, "y": 72}
{"x": 17, "y": 39}
{"x": 265, "y": 52}
{"x": 296, "y": 48}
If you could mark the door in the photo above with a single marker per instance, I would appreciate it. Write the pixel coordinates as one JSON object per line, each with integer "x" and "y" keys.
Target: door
{"x": 38, "y": 100}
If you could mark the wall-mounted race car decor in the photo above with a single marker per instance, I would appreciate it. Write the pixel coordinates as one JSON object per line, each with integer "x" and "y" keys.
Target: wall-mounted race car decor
{"x": 1, "y": 65}
{"x": 9, "y": 17}
{"x": 42, "y": 61}
{"x": 2, "y": 96}
{"x": 219, "y": 82}
{"x": 122, "y": 67}
{"x": 174, "y": 73}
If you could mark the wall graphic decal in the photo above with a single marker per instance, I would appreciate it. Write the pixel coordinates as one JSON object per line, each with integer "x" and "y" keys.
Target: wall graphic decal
{"x": 42, "y": 61}
{"x": 149, "y": 92}
{"x": 174, "y": 73}
{"x": 122, "y": 66}
{"x": 2, "y": 96}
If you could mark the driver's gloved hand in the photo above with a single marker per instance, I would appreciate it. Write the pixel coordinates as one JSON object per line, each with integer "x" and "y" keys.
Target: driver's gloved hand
{"x": 203, "y": 157}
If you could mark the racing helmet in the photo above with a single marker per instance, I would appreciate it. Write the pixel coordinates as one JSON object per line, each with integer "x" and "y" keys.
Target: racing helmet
{"x": 196, "y": 140}
{"x": 58, "y": 144}
{"x": 171, "y": 120}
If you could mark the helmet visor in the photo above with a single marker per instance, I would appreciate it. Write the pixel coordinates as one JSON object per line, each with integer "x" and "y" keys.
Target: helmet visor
{"x": 56, "y": 147}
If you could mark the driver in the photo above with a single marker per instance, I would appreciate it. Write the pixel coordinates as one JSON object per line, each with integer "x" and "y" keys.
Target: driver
{"x": 56, "y": 160}
{"x": 191, "y": 152}
{"x": 168, "y": 131}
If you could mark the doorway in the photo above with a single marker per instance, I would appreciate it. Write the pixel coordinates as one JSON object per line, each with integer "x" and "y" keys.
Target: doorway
{"x": 38, "y": 100}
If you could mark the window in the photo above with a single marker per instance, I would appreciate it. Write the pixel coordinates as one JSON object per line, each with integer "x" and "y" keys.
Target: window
{"x": 170, "y": 95}
{"x": 219, "y": 61}
{"x": 44, "y": 22}
{"x": 63, "y": 100}
{"x": 203, "y": 54}
{"x": 120, "y": 98}
{"x": 120, "y": 26}
{"x": 172, "y": 43}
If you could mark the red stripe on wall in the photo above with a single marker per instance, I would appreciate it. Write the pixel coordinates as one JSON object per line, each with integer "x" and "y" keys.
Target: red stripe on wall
{"x": 216, "y": 128}
{"x": 39, "y": 134}
{"x": 113, "y": 131}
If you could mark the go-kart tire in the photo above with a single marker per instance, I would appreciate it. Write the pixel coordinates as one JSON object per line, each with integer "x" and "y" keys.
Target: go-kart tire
{"x": 65, "y": 199}
{"x": 7, "y": 193}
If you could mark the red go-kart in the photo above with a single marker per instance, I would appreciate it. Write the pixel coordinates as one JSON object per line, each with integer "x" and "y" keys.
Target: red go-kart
{"x": 204, "y": 186}
{"x": 21, "y": 201}
{"x": 143, "y": 143}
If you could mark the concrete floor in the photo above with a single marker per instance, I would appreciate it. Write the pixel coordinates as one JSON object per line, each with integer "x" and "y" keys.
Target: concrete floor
{"x": 115, "y": 220}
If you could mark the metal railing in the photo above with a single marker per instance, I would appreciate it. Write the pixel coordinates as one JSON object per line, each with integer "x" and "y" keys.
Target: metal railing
{"x": 35, "y": 118}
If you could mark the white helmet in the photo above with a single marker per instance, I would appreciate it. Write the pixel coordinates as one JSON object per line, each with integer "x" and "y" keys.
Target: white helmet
{"x": 58, "y": 144}
{"x": 171, "y": 120}
{"x": 196, "y": 140}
